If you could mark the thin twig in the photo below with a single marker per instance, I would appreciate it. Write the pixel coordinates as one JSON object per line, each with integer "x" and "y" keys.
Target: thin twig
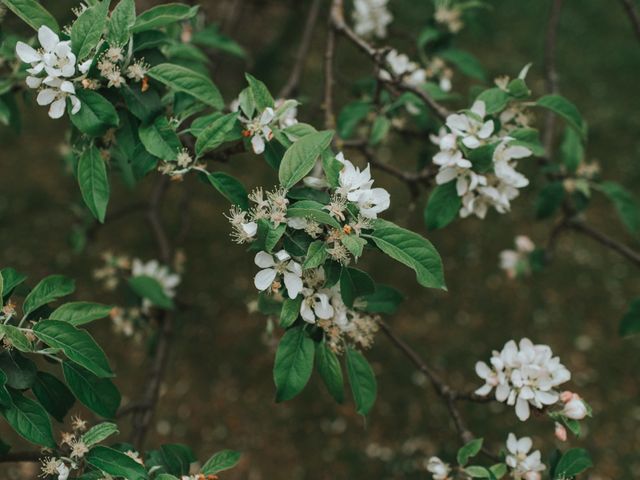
{"x": 329, "y": 80}
{"x": 604, "y": 239}
{"x": 291, "y": 87}
{"x": 633, "y": 15}
{"x": 551, "y": 74}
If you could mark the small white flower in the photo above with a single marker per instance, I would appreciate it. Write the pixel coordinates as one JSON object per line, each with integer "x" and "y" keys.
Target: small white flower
{"x": 575, "y": 408}
{"x": 472, "y": 127}
{"x": 438, "y": 468}
{"x": 524, "y": 465}
{"x": 259, "y": 129}
{"x": 277, "y": 265}
{"x": 371, "y": 17}
{"x": 515, "y": 262}
{"x": 355, "y": 185}
{"x": 315, "y": 304}
{"x": 161, "y": 273}
{"x": 286, "y": 112}
{"x": 372, "y": 202}
{"x": 403, "y": 68}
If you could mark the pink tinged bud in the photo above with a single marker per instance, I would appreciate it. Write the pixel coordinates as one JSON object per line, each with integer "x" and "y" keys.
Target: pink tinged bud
{"x": 566, "y": 396}
{"x": 532, "y": 476}
{"x": 561, "y": 433}
{"x": 575, "y": 409}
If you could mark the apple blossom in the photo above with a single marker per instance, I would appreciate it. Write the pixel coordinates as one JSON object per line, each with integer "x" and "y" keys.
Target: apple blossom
{"x": 371, "y": 17}
{"x": 575, "y": 408}
{"x": 355, "y": 185}
{"x": 560, "y": 432}
{"x": 259, "y": 129}
{"x": 161, "y": 273}
{"x": 273, "y": 266}
{"x": 438, "y": 469}
{"x": 523, "y": 375}
{"x": 472, "y": 126}
{"x": 524, "y": 464}
{"x": 516, "y": 262}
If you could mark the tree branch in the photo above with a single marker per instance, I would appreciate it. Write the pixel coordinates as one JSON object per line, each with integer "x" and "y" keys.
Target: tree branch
{"x": 632, "y": 13}
{"x": 602, "y": 238}
{"x": 551, "y": 74}
{"x": 291, "y": 87}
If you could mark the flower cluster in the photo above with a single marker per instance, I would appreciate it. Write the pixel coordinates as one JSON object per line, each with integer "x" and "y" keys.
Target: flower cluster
{"x": 53, "y": 66}
{"x": 113, "y": 67}
{"x": 524, "y": 464}
{"x": 517, "y": 262}
{"x": 72, "y": 449}
{"x": 449, "y": 16}
{"x": 401, "y": 67}
{"x": 499, "y": 184}
{"x": 438, "y": 469}
{"x": 371, "y": 18}
{"x": 523, "y": 375}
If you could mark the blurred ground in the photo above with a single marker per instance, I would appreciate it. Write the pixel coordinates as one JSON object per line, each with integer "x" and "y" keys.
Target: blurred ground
{"x": 219, "y": 391}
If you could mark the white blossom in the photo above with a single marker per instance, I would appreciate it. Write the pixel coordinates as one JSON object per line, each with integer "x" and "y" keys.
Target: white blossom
{"x": 575, "y": 408}
{"x": 355, "y": 185}
{"x": 523, "y": 464}
{"x": 274, "y": 266}
{"x": 286, "y": 112}
{"x": 438, "y": 469}
{"x": 523, "y": 375}
{"x": 371, "y": 17}
{"x": 58, "y": 63}
{"x": 402, "y": 67}
{"x": 161, "y": 273}
{"x": 471, "y": 126}
{"x": 515, "y": 262}
{"x": 316, "y": 304}
{"x": 259, "y": 129}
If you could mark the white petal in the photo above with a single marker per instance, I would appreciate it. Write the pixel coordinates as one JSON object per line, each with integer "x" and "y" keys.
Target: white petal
{"x": 482, "y": 370}
{"x": 46, "y": 96}
{"x": 479, "y": 108}
{"x": 264, "y": 279}
{"x": 26, "y": 53}
{"x": 267, "y": 116}
{"x": 471, "y": 142}
{"x": 257, "y": 142}
{"x": 522, "y": 409}
{"x": 33, "y": 82}
{"x": 264, "y": 260}
{"x": 512, "y": 443}
{"x": 524, "y": 445}
{"x": 484, "y": 390}
{"x": 75, "y": 104}
{"x": 47, "y": 37}
{"x": 57, "y": 108}
{"x": 250, "y": 229}
{"x": 446, "y": 175}
{"x": 306, "y": 312}
{"x": 293, "y": 284}
{"x": 486, "y": 130}
{"x": 67, "y": 87}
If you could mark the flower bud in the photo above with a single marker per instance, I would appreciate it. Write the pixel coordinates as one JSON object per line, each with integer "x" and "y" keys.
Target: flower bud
{"x": 561, "y": 432}
{"x": 575, "y": 409}
{"x": 532, "y": 476}
{"x": 566, "y": 396}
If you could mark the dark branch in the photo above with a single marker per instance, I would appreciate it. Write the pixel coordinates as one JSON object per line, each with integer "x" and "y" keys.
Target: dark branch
{"x": 632, "y": 13}
{"x": 551, "y": 74}
{"x": 602, "y": 238}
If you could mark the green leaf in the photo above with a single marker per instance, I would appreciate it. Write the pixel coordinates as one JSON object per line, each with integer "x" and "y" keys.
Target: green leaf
{"x": 465, "y": 62}
{"x": 354, "y": 244}
{"x": 19, "y": 370}
{"x": 294, "y": 363}
{"x": 443, "y": 206}
{"x": 214, "y": 135}
{"x": 115, "y": 463}
{"x": 79, "y": 313}
{"x": 94, "y": 182}
{"x": 260, "y": 93}
{"x": 385, "y": 299}
{"x": 29, "y": 420}
{"x": 150, "y": 288}
{"x": 573, "y": 462}
{"x": 160, "y": 139}
{"x": 47, "y": 290}
{"x": 177, "y": 458}
{"x": 272, "y": 234}
{"x": 5, "y": 397}
{"x": 123, "y": 17}
{"x": 354, "y": 283}
{"x": 626, "y": 205}
{"x": 482, "y": 157}
{"x": 11, "y": 279}
{"x": 314, "y": 210}
{"x": 98, "y": 394}
{"x": 98, "y": 433}
{"x": 53, "y": 395}
{"x": 16, "y": 338}
{"x": 223, "y": 460}
{"x": 379, "y": 130}
{"x": 316, "y": 255}
{"x": 630, "y": 324}
{"x": 567, "y": 110}
{"x": 145, "y": 106}
{"x": 86, "y": 31}
{"x": 96, "y": 115}
{"x": 469, "y": 450}
{"x": 185, "y": 80}
{"x": 76, "y": 344}
{"x": 163, "y": 15}
{"x": 212, "y": 38}
{"x": 32, "y": 13}
{"x": 230, "y": 187}
{"x": 530, "y": 138}
{"x": 329, "y": 369}
{"x": 549, "y": 200}
{"x": 571, "y": 150}
{"x": 412, "y": 250}
{"x": 350, "y": 117}
{"x": 362, "y": 380}
{"x": 301, "y": 157}
{"x": 495, "y": 100}
{"x": 290, "y": 311}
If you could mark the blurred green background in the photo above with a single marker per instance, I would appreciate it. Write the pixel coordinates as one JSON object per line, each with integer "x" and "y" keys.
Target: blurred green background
{"x": 218, "y": 391}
